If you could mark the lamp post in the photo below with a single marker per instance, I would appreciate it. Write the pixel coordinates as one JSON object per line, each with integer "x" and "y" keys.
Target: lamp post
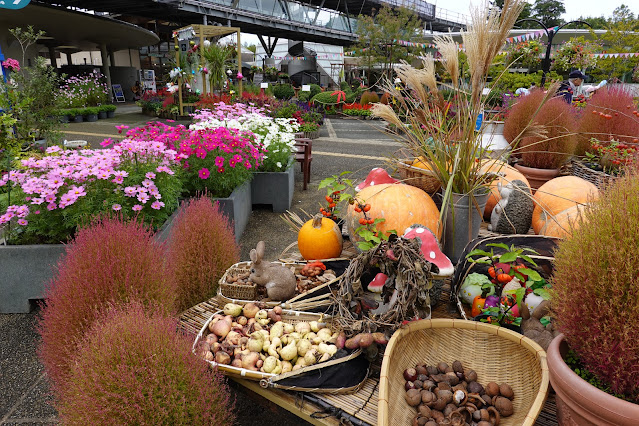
{"x": 550, "y": 33}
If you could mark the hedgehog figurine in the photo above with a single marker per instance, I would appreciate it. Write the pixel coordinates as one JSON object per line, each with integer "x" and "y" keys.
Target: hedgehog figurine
{"x": 513, "y": 213}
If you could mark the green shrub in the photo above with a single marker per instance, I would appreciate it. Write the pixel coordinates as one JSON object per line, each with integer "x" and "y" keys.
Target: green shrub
{"x": 201, "y": 248}
{"x": 595, "y": 288}
{"x": 283, "y": 91}
{"x": 314, "y": 117}
{"x": 369, "y": 98}
{"x": 303, "y": 96}
{"x": 133, "y": 368}
{"x": 510, "y": 82}
{"x": 344, "y": 86}
{"x": 109, "y": 261}
{"x": 325, "y": 98}
{"x": 315, "y": 89}
{"x": 109, "y": 108}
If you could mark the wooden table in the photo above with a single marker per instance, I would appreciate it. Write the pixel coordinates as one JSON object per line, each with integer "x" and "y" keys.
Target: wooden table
{"x": 360, "y": 408}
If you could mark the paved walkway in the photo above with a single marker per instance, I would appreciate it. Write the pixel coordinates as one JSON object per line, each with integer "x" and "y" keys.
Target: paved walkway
{"x": 353, "y": 145}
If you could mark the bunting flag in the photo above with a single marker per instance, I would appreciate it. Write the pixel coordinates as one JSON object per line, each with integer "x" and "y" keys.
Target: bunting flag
{"x": 529, "y": 36}
{"x": 306, "y": 58}
{"x": 614, "y": 55}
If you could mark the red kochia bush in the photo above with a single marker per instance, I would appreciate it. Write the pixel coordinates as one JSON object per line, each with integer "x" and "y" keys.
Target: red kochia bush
{"x": 521, "y": 115}
{"x": 608, "y": 115}
{"x": 596, "y": 288}
{"x": 201, "y": 248}
{"x": 135, "y": 369}
{"x": 108, "y": 261}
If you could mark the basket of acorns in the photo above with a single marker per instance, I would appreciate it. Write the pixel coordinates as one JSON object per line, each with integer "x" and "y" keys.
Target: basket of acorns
{"x": 459, "y": 372}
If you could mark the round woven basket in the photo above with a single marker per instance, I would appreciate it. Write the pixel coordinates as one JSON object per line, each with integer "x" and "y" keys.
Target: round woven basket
{"x": 415, "y": 176}
{"x": 495, "y": 353}
{"x": 599, "y": 179}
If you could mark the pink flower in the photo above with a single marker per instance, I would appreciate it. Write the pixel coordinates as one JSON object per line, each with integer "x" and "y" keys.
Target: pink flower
{"x": 136, "y": 208}
{"x": 157, "y": 205}
{"x": 143, "y": 197}
{"x": 219, "y": 161}
{"x": 220, "y": 169}
{"x": 130, "y": 191}
{"x": 240, "y": 76}
{"x": 116, "y": 207}
{"x": 37, "y": 212}
{"x": 121, "y": 127}
{"x": 106, "y": 142}
{"x": 150, "y": 175}
{"x": 204, "y": 173}
{"x": 52, "y": 206}
{"x": 23, "y": 222}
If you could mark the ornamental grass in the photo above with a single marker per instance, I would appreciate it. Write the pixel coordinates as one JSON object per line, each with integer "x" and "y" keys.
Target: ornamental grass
{"x": 134, "y": 368}
{"x": 201, "y": 248}
{"x": 595, "y": 287}
{"x": 610, "y": 114}
{"x": 520, "y": 115}
{"x": 109, "y": 261}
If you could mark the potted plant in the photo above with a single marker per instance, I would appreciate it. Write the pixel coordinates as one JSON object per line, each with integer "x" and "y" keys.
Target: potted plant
{"x": 310, "y": 129}
{"x": 110, "y": 110}
{"x": 76, "y": 114}
{"x": 595, "y": 303}
{"x": 133, "y": 178}
{"x": 444, "y": 131}
{"x": 91, "y": 114}
{"x": 102, "y": 114}
{"x": 543, "y": 155}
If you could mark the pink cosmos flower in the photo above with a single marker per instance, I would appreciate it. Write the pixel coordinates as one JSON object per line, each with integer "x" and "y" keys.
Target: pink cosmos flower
{"x": 204, "y": 173}
{"x": 157, "y": 205}
{"x": 50, "y": 198}
{"x": 220, "y": 169}
{"x": 143, "y": 197}
{"x": 121, "y": 128}
{"x": 118, "y": 179}
{"x": 106, "y": 142}
{"x": 37, "y": 212}
{"x": 52, "y": 206}
{"x": 150, "y": 175}
{"x": 219, "y": 161}
{"x": 23, "y": 222}
{"x": 117, "y": 207}
{"x": 136, "y": 208}
{"x": 130, "y": 191}
{"x": 147, "y": 183}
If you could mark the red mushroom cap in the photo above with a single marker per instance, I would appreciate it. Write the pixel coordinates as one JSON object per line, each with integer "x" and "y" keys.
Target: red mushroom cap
{"x": 377, "y": 284}
{"x": 377, "y": 176}
{"x": 430, "y": 249}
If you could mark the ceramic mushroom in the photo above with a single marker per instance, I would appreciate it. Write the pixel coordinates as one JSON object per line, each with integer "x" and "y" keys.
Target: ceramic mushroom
{"x": 430, "y": 250}
{"x": 377, "y": 176}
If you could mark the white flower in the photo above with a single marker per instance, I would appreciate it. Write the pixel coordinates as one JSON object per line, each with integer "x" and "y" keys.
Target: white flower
{"x": 279, "y": 165}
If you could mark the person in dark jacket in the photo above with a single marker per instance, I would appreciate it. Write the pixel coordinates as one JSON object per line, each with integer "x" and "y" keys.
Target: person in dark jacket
{"x": 572, "y": 86}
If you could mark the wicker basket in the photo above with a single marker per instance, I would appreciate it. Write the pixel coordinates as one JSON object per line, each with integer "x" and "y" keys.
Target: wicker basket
{"x": 495, "y": 353}
{"x": 421, "y": 178}
{"x": 291, "y": 317}
{"x": 599, "y": 179}
{"x": 241, "y": 294}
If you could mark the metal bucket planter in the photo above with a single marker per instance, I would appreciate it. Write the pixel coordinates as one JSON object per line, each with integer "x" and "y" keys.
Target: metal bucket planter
{"x": 26, "y": 269}
{"x": 463, "y": 219}
{"x": 238, "y": 207}
{"x": 274, "y": 188}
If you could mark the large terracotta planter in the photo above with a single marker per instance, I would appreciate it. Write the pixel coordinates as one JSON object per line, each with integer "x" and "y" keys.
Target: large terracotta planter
{"x": 537, "y": 177}
{"x": 578, "y": 402}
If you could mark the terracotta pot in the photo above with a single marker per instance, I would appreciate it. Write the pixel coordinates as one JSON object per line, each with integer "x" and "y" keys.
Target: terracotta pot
{"x": 578, "y": 402}
{"x": 537, "y": 177}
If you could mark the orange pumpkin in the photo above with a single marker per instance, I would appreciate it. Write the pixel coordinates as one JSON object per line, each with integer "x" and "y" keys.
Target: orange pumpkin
{"x": 564, "y": 222}
{"x": 400, "y": 205}
{"x": 558, "y": 195}
{"x": 510, "y": 174}
{"x": 319, "y": 238}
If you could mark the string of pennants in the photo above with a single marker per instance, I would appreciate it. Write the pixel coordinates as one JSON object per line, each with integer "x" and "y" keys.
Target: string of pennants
{"x": 306, "y": 58}
{"x": 614, "y": 55}
{"x": 529, "y": 36}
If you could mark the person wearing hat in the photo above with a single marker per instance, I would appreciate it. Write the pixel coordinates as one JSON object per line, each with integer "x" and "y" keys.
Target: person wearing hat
{"x": 572, "y": 86}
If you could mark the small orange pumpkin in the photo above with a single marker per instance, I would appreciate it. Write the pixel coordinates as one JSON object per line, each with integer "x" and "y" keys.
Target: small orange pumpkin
{"x": 400, "y": 205}
{"x": 558, "y": 195}
{"x": 319, "y": 238}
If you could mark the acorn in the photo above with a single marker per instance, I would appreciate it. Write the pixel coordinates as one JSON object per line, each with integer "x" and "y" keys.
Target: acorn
{"x": 457, "y": 367}
{"x": 470, "y": 375}
{"x": 474, "y": 387}
{"x": 442, "y": 366}
{"x": 506, "y": 391}
{"x": 504, "y": 406}
{"x": 432, "y": 370}
{"x": 428, "y": 398}
{"x": 421, "y": 370}
{"x": 492, "y": 389}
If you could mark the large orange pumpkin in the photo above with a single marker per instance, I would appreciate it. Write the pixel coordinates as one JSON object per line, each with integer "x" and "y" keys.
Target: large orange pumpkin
{"x": 564, "y": 222}
{"x": 560, "y": 194}
{"x": 400, "y": 205}
{"x": 319, "y": 238}
{"x": 510, "y": 174}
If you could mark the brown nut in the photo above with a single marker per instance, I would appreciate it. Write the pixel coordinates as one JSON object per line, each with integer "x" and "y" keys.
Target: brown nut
{"x": 470, "y": 375}
{"x": 449, "y": 409}
{"x": 458, "y": 387}
{"x": 422, "y": 377}
{"x": 456, "y": 418}
{"x": 421, "y": 369}
{"x": 493, "y": 415}
{"x": 445, "y": 395}
{"x": 504, "y": 406}
{"x": 484, "y": 423}
{"x": 442, "y": 366}
{"x": 460, "y": 397}
{"x": 457, "y": 367}
{"x": 437, "y": 415}
{"x": 443, "y": 386}
{"x": 466, "y": 415}
{"x": 423, "y": 410}
{"x": 439, "y": 405}
{"x": 429, "y": 385}
{"x": 432, "y": 370}
{"x": 452, "y": 378}
{"x": 474, "y": 387}
{"x": 438, "y": 378}
{"x": 428, "y": 397}
{"x": 487, "y": 399}
{"x": 492, "y": 389}
{"x": 413, "y": 397}
{"x": 506, "y": 391}
{"x": 410, "y": 374}
{"x": 418, "y": 384}
{"x": 431, "y": 423}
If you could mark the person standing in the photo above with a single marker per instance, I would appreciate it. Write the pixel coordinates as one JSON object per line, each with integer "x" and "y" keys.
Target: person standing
{"x": 572, "y": 87}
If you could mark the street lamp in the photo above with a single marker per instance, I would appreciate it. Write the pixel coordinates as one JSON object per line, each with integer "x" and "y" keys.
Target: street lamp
{"x": 550, "y": 33}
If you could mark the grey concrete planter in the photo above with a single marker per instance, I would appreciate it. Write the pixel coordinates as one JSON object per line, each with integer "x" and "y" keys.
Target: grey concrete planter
{"x": 110, "y": 114}
{"x": 274, "y": 188}
{"x": 238, "y": 207}
{"x": 25, "y": 271}
{"x": 102, "y": 115}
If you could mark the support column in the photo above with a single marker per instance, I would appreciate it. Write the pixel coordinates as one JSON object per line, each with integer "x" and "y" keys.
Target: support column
{"x": 239, "y": 59}
{"x": 69, "y": 60}
{"x": 54, "y": 62}
{"x": 112, "y": 58}
{"x": 106, "y": 63}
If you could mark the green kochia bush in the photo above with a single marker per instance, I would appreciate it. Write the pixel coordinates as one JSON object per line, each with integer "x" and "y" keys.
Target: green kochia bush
{"x": 596, "y": 288}
{"x": 283, "y": 91}
{"x": 108, "y": 262}
{"x": 135, "y": 369}
{"x": 201, "y": 247}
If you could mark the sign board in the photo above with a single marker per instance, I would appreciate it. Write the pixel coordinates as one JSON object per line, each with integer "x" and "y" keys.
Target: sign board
{"x": 13, "y": 4}
{"x": 118, "y": 92}
{"x": 306, "y": 87}
{"x": 264, "y": 85}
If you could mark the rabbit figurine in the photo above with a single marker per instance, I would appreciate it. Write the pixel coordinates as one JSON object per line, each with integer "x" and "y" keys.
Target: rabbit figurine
{"x": 279, "y": 280}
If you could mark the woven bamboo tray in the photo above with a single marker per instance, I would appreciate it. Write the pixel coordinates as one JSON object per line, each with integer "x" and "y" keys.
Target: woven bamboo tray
{"x": 421, "y": 178}
{"x": 306, "y": 300}
{"x": 599, "y": 179}
{"x": 495, "y": 353}
{"x": 288, "y": 316}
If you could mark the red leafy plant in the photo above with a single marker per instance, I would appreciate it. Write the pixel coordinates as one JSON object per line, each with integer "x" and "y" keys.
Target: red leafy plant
{"x": 551, "y": 150}
{"x": 608, "y": 115}
{"x": 595, "y": 287}
{"x": 200, "y": 248}
{"x": 521, "y": 114}
{"x": 134, "y": 367}
{"x": 107, "y": 262}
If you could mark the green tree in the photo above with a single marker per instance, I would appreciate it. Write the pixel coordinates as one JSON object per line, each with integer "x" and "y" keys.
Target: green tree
{"x": 596, "y": 23}
{"x": 525, "y": 13}
{"x": 549, "y": 12}
{"x": 377, "y": 35}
